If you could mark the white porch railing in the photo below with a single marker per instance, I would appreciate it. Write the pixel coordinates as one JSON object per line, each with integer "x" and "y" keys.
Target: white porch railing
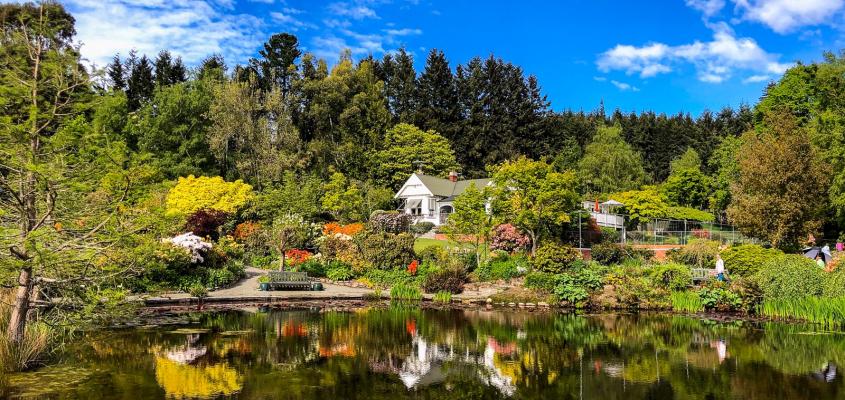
{"x": 608, "y": 220}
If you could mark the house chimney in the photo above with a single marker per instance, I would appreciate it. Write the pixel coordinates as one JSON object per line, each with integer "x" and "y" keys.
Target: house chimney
{"x": 453, "y": 176}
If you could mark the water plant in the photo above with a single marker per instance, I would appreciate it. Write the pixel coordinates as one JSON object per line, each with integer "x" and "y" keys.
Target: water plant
{"x": 686, "y": 301}
{"x": 443, "y": 297}
{"x": 405, "y": 292}
{"x": 820, "y": 310}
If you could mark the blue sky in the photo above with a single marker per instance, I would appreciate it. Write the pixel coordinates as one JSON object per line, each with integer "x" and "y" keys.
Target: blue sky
{"x": 667, "y": 56}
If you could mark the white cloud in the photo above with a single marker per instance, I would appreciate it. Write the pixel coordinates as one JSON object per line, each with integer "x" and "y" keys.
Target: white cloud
{"x": 371, "y": 42}
{"x": 403, "y": 32}
{"x": 756, "y": 78}
{"x": 715, "y": 61}
{"x": 707, "y": 7}
{"x": 330, "y": 47}
{"x": 654, "y": 69}
{"x": 336, "y": 23}
{"x": 192, "y": 29}
{"x": 354, "y": 11}
{"x": 599, "y": 78}
{"x": 784, "y": 16}
{"x": 289, "y": 21}
{"x": 624, "y": 86}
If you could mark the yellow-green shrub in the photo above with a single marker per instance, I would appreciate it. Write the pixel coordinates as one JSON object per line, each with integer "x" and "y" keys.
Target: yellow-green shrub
{"x": 193, "y": 193}
{"x": 746, "y": 259}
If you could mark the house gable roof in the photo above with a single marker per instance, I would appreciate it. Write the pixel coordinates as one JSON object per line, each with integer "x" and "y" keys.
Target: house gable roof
{"x": 446, "y": 188}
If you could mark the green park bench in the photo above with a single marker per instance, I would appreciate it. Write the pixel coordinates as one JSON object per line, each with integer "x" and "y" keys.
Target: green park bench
{"x": 703, "y": 274}
{"x": 288, "y": 280}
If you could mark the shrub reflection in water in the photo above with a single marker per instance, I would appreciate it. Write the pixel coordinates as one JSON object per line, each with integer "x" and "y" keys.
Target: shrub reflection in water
{"x": 406, "y": 352}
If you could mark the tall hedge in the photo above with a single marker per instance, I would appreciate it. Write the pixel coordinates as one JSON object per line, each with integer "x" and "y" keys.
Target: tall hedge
{"x": 790, "y": 277}
{"x": 746, "y": 259}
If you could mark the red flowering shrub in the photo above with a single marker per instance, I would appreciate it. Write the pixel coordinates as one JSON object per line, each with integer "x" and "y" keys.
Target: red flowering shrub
{"x": 412, "y": 267}
{"x": 508, "y": 238}
{"x": 205, "y": 222}
{"x": 294, "y": 257}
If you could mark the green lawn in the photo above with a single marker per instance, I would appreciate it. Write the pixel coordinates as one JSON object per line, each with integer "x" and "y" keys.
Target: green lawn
{"x": 422, "y": 243}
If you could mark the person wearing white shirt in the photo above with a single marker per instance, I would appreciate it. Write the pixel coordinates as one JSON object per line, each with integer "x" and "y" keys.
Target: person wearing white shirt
{"x": 720, "y": 268}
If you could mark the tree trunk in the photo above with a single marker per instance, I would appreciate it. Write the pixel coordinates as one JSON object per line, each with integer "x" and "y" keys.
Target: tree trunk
{"x": 17, "y": 322}
{"x": 29, "y": 210}
{"x": 533, "y": 242}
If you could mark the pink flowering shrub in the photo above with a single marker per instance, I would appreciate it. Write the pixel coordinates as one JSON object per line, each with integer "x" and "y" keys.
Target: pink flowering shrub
{"x": 508, "y": 238}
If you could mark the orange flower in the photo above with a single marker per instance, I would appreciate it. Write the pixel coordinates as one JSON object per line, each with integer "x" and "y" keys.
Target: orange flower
{"x": 412, "y": 267}
{"x": 295, "y": 257}
{"x": 333, "y": 228}
{"x": 246, "y": 229}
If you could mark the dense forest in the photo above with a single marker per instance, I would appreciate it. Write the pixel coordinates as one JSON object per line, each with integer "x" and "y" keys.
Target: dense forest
{"x": 488, "y": 109}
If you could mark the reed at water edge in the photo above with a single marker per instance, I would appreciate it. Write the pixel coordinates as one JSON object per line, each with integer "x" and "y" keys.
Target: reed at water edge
{"x": 32, "y": 350}
{"x": 686, "y": 301}
{"x": 829, "y": 311}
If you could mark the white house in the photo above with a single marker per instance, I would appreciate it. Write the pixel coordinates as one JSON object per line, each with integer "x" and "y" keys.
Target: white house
{"x": 429, "y": 198}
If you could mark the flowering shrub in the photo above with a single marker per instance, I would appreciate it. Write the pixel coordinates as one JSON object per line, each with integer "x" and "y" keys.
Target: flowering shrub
{"x": 295, "y": 257}
{"x": 333, "y": 228}
{"x": 194, "y": 244}
{"x": 412, "y": 267}
{"x": 506, "y": 237}
{"x": 245, "y": 230}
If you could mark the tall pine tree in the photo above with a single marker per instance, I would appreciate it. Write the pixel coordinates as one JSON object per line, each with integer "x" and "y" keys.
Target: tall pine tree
{"x": 116, "y": 74}
{"x": 278, "y": 64}
{"x": 400, "y": 84}
{"x": 437, "y": 97}
{"x": 141, "y": 84}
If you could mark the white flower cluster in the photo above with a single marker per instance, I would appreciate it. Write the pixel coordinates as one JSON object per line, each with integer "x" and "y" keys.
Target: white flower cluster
{"x": 194, "y": 244}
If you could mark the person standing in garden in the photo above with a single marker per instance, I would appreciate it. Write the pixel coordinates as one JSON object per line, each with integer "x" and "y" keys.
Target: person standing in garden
{"x": 720, "y": 268}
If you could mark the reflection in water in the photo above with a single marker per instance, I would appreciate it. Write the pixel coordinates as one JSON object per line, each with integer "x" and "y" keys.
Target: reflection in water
{"x": 188, "y": 381}
{"x": 411, "y": 353}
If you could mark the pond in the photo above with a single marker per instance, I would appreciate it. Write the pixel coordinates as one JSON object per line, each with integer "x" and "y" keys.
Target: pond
{"x": 405, "y": 352}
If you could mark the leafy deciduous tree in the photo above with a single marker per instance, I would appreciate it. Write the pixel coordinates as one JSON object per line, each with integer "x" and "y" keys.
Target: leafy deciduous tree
{"x": 610, "y": 164}
{"x": 533, "y": 196}
{"x": 471, "y": 218}
{"x": 406, "y": 144}
{"x": 780, "y": 193}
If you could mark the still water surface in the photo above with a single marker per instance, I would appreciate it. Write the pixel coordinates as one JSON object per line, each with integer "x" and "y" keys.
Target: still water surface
{"x": 402, "y": 352}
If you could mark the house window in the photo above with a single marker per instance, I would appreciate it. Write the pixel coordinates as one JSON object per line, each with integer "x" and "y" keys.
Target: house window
{"x": 432, "y": 206}
{"x": 414, "y": 206}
